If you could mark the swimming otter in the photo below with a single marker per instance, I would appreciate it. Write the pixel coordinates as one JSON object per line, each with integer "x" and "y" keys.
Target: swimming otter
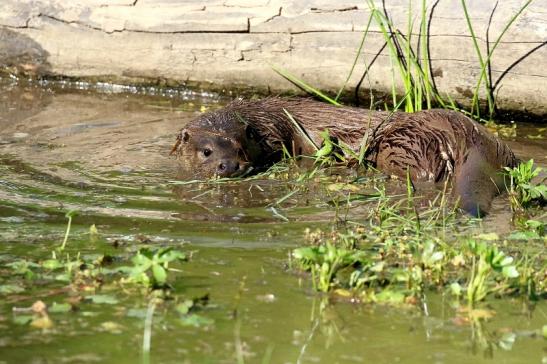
{"x": 432, "y": 145}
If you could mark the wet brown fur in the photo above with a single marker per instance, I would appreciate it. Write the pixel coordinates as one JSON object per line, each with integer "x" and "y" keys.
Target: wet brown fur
{"x": 433, "y": 145}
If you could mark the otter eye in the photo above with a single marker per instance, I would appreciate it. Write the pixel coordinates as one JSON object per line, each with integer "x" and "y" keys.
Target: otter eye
{"x": 207, "y": 152}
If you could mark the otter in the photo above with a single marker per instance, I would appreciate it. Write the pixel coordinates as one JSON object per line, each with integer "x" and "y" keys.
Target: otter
{"x": 432, "y": 145}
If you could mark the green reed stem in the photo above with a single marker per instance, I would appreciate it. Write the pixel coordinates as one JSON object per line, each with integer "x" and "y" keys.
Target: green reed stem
{"x": 295, "y": 80}
{"x": 356, "y": 58}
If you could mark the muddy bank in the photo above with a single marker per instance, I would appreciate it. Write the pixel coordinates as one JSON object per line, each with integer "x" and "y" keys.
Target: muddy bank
{"x": 232, "y": 44}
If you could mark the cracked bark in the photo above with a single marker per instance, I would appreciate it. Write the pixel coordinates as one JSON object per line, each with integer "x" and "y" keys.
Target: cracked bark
{"x": 123, "y": 30}
{"x": 319, "y": 10}
{"x": 83, "y": 24}
{"x": 274, "y": 16}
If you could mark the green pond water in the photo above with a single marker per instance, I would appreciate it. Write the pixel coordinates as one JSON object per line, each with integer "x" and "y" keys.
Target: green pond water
{"x": 104, "y": 151}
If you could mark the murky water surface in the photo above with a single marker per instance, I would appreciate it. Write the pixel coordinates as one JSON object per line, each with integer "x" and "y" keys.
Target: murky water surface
{"x": 105, "y": 154}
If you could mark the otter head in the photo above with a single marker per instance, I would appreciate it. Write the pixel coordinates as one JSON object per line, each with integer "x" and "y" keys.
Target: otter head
{"x": 205, "y": 152}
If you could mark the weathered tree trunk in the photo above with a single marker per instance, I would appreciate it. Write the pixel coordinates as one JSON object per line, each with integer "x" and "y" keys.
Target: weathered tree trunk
{"x": 225, "y": 44}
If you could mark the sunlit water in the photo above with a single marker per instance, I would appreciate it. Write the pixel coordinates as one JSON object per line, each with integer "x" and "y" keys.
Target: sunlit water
{"x": 105, "y": 153}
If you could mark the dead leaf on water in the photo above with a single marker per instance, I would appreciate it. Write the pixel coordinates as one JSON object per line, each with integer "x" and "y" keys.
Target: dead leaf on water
{"x": 111, "y": 327}
{"x": 39, "y": 307}
{"x": 333, "y": 187}
{"x": 42, "y": 322}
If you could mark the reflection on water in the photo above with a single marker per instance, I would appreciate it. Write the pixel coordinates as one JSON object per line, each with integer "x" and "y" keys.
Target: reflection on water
{"x": 106, "y": 154}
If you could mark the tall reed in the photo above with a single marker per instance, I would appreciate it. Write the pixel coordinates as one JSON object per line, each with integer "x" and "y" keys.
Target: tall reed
{"x": 411, "y": 62}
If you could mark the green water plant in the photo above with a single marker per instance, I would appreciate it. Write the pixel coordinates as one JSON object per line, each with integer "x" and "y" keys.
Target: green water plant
{"x": 523, "y": 192}
{"x": 325, "y": 261}
{"x": 488, "y": 260}
{"x": 69, "y": 216}
{"x": 151, "y": 266}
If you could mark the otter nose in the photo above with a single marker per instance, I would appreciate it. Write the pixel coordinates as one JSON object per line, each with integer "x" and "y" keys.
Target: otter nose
{"x": 227, "y": 168}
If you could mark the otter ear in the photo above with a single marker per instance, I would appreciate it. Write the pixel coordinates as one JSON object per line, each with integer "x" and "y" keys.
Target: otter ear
{"x": 184, "y": 136}
{"x": 250, "y": 132}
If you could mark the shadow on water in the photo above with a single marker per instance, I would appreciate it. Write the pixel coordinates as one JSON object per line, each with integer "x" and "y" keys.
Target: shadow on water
{"x": 106, "y": 156}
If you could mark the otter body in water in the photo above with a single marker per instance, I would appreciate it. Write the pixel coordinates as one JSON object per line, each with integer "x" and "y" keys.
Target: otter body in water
{"x": 432, "y": 145}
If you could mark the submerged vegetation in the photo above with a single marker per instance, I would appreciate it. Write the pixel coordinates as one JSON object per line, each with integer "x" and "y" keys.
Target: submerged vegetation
{"x": 396, "y": 251}
{"x": 402, "y": 246}
{"x": 523, "y": 191}
{"x": 99, "y": 279}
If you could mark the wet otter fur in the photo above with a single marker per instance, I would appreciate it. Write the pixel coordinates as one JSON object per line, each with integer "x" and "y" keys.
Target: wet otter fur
{"x": 432, "y": 145}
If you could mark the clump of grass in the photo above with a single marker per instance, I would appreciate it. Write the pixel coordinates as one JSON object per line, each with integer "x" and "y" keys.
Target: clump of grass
{"x": 413, "y": 71}
{"x": 402, "y": 253}
{"x": 523, "y": 192}
{"x": 326, "y": 261}
{"x": 488, "y": 260}
{"x": 411, "y": 63}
